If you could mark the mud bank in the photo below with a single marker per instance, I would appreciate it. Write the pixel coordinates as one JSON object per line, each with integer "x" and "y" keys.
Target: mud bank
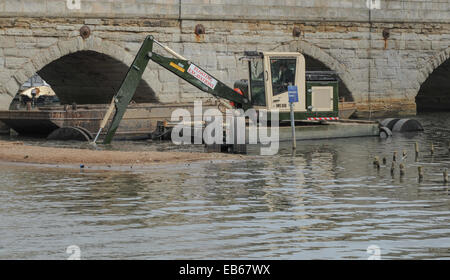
{"x": 21, "y": 153}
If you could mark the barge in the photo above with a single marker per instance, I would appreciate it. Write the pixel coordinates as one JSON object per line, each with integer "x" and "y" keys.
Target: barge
{"x": 144, "y": 120}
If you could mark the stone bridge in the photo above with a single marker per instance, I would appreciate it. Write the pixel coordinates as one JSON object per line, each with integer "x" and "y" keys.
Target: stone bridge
{"x": 391, "y": 58}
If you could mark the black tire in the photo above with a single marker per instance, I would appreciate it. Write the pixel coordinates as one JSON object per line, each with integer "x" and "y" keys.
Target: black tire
{"x": 389, "y": 123}
{"x": 68, "y": 133}
{"x": 88, "y": 133}
{"x": 385, "y": 132}
{"x": 407, "y": 125}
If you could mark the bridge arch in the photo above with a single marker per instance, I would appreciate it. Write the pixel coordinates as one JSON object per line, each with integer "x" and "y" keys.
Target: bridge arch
{"x": 94, "y": 65}
{"x": 434, "y": 91}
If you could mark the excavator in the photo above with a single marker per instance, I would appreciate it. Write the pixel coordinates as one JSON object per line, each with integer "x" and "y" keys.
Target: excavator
{"x": 270, "y": 74}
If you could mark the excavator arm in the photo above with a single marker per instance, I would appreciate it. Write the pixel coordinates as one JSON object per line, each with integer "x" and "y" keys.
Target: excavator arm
{"x": 180, "y": 66}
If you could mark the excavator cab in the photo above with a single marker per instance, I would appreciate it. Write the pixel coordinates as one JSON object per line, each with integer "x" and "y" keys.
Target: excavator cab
{"x": 270, "y": 74}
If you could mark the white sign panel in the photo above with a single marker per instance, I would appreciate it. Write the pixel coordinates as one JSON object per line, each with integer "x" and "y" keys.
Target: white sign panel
{"x": 73, "y": 4}
{"x": 373, "y": 4}
{"x": 202, "y": 76}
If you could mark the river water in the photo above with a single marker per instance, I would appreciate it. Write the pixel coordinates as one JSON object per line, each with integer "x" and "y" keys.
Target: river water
{"x": 326, "y": 202}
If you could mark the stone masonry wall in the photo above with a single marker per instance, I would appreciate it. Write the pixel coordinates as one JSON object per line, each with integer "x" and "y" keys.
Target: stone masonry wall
{"x": 343, "y": 35}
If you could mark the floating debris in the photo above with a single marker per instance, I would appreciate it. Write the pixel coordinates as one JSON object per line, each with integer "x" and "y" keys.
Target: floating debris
{"x": 392, "y": 168}
{"x": 417, "y": 151}
{"x": 445, "y": 176}
{"x": 405, "y": 155}
{"x": 402, "y": 169}
{"x": 376, "y": 162}
{"x": 420, "y": 172}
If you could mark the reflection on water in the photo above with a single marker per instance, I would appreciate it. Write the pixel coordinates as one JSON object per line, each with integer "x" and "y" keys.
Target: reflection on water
{"x": 327, "y": 201}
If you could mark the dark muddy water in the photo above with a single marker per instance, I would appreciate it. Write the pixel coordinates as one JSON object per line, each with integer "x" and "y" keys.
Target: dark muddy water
{"x": 326, "y": 202}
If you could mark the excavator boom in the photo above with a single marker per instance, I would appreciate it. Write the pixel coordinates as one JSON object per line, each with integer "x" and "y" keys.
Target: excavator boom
{"x": 180, "y": 66}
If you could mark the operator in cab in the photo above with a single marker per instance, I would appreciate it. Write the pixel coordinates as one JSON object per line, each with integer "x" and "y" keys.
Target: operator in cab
{"x": 286, "y": 76}
{"x": 283, "y": 77}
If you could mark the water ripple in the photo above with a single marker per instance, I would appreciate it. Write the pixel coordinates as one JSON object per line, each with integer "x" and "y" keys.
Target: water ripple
{"x": 327, "y": 202}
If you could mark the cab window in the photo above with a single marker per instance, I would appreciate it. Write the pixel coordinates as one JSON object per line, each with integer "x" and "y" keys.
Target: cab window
{"x": 257, "y": 88}
{"x": 283, "y": 74}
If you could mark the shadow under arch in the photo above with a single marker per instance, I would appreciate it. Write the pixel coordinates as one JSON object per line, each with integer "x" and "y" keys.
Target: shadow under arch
{"x": 313, "y": 64}
{"x": 434, "y": 91}
{"x": 89, "y": 77}
{"x": 48, "y": 61}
